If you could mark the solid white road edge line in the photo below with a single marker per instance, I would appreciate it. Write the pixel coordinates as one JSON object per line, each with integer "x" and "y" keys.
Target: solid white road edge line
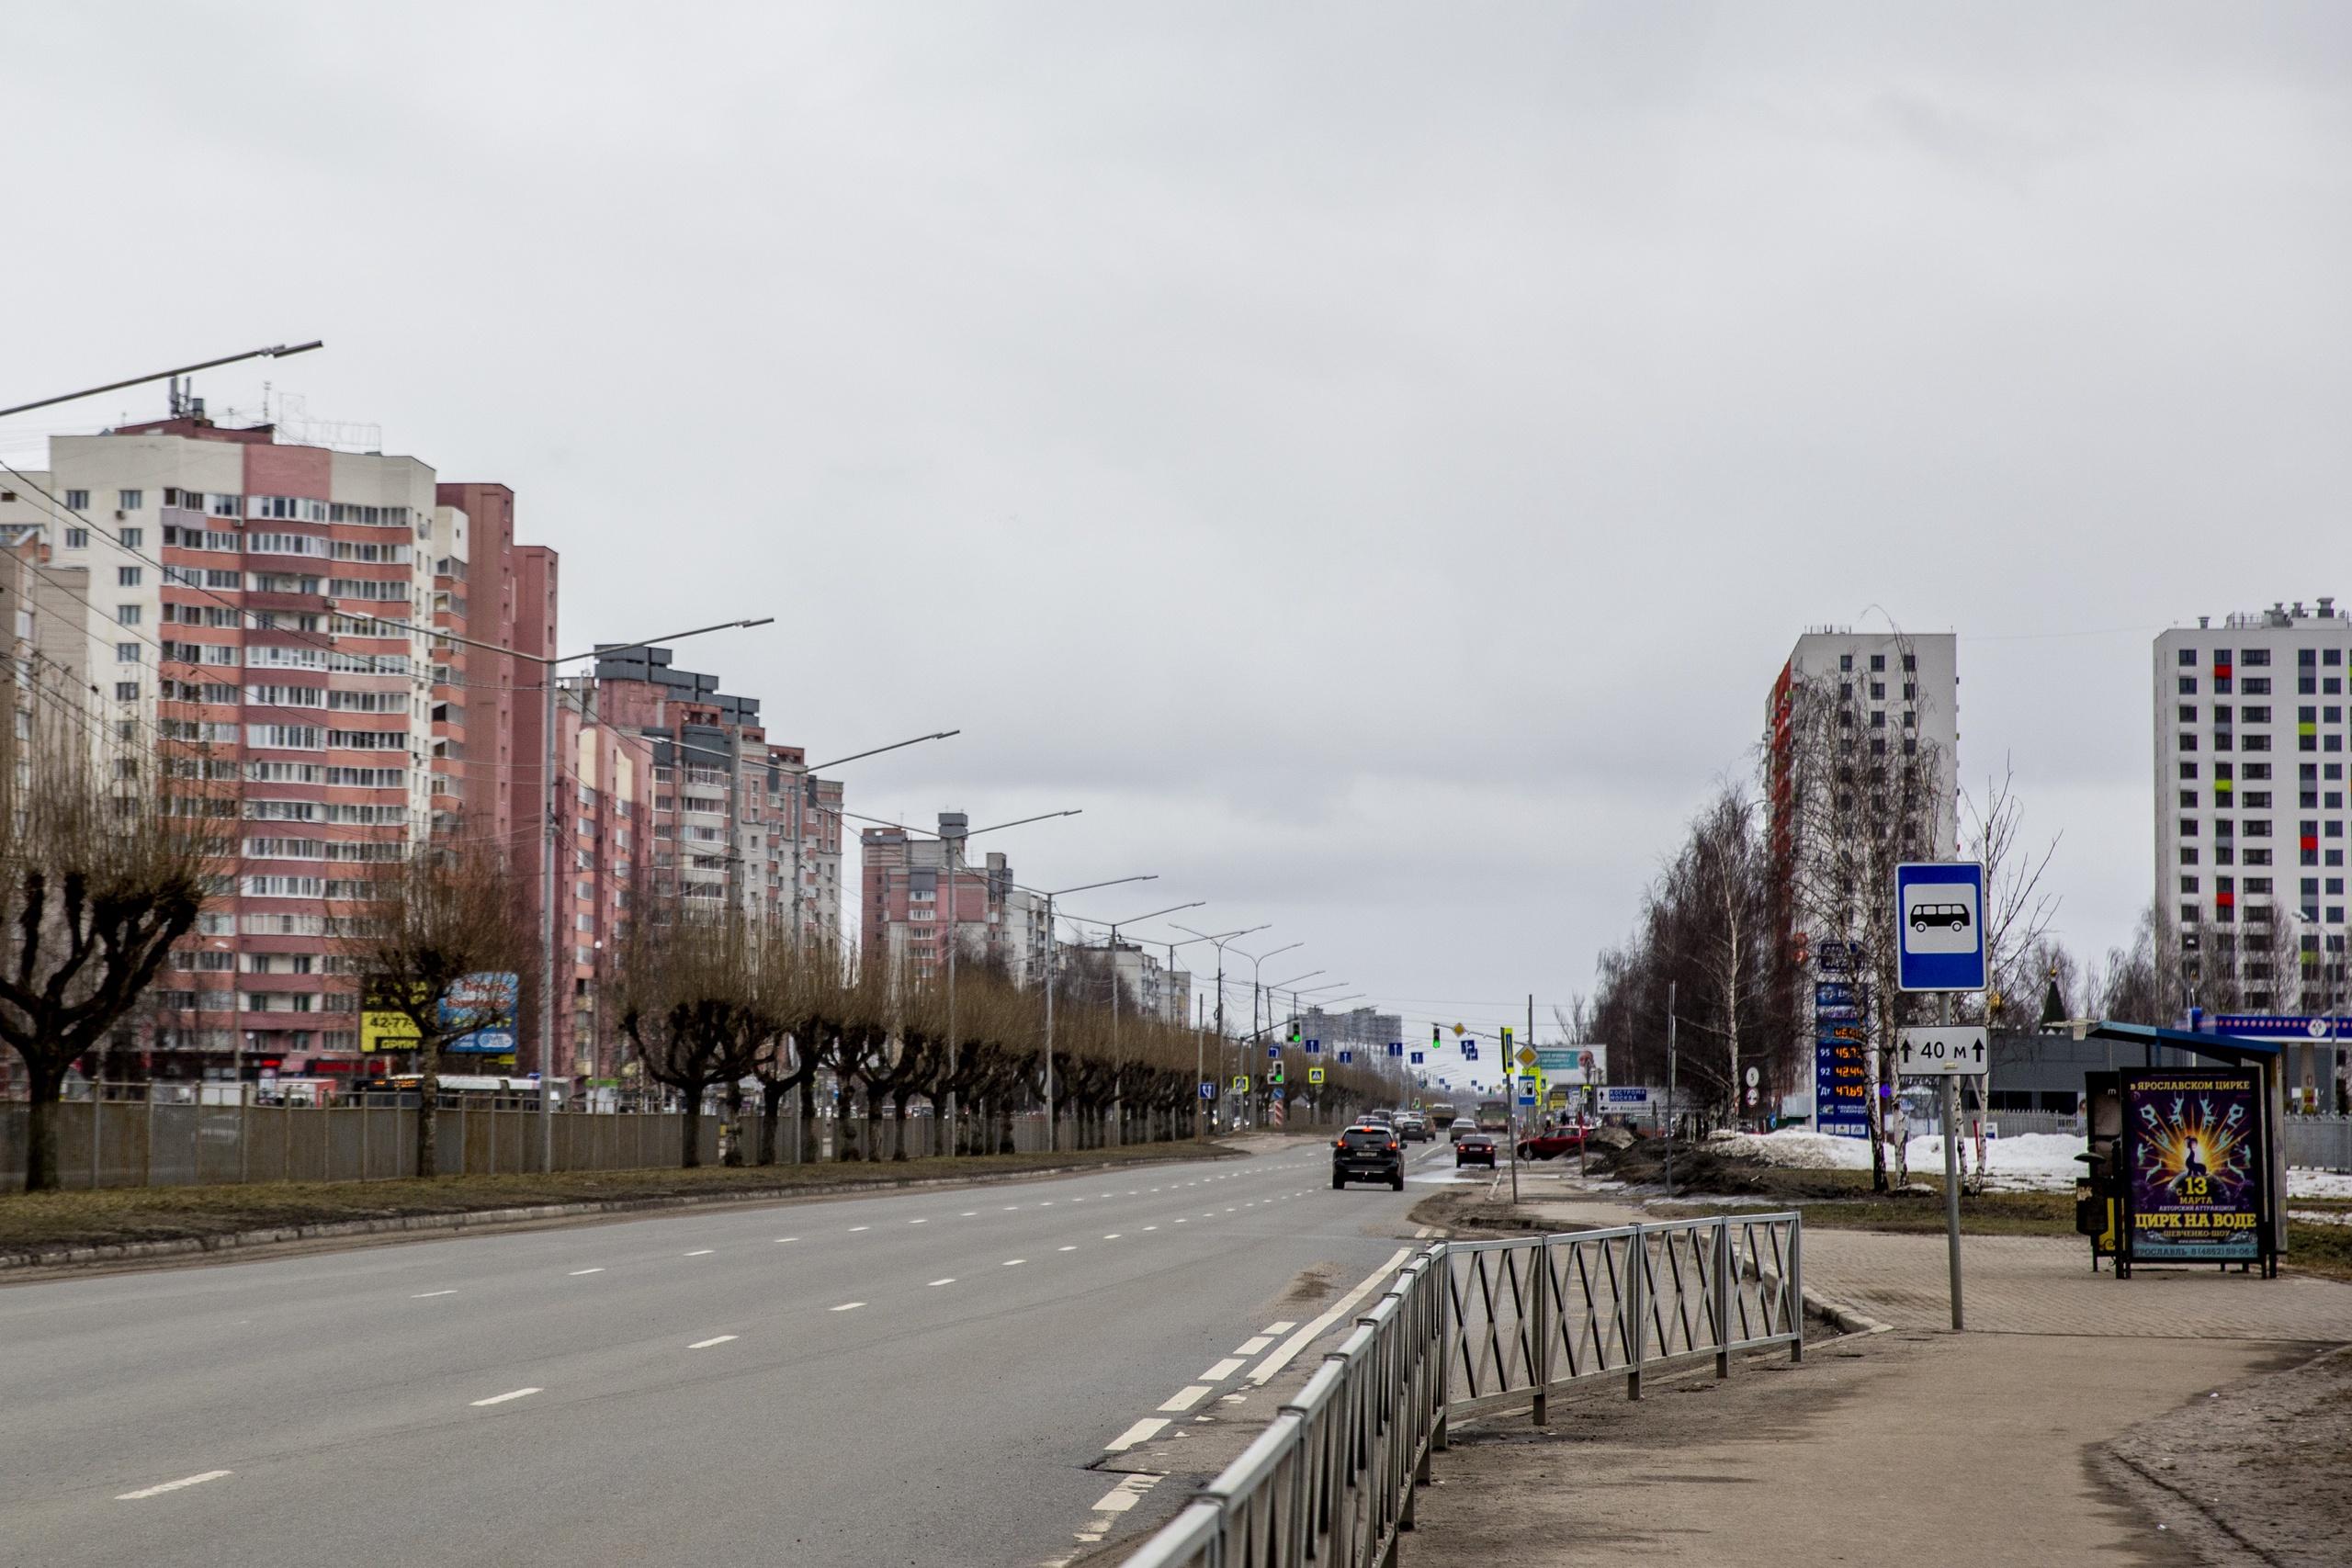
{"x": 706, "y": 1344}
{"x": 1142, "y": 1431}
{"x": 1291, "y": 1347}
{"x": 510, "y": 1393}
{"x": 184, "y": 1480}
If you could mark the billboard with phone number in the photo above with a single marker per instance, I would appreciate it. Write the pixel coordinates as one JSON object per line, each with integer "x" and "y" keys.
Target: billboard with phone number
{"x": 2193, "y": 1156}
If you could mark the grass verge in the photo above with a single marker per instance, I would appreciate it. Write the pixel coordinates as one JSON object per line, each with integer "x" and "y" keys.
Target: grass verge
{"x": 41, "y": 1223}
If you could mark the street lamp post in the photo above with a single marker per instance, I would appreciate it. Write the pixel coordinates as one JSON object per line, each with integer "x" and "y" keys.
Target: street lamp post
{"x": 548, "y": 664}
{"x": 1200, "y": 1046}
{"x": 1219, "y": 943}
{"x": 947, "y": 846}
{"x": 1118, "y": 1105}
{"x": 1053, "y": 1131}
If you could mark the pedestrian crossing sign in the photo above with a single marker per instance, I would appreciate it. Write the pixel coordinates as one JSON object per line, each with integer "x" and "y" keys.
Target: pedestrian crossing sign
{"x": 1314, "y": 1075}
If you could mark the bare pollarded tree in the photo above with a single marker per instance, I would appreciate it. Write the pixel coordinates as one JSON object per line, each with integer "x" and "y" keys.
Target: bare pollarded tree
{"x": 98, "y": 877}
{"x": 689, "y": 999}
{"x": 435, "y": 941}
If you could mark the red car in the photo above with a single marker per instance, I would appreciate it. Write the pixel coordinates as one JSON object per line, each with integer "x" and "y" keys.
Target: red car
{"x": 1558, "y": 1141}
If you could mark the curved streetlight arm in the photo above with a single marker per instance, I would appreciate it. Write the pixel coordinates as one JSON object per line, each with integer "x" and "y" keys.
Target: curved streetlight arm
{"x": 280, "y": 351}
{"x": 876, "y": 751}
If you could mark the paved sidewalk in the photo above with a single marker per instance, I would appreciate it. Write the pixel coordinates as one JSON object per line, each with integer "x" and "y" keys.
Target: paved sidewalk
{"x": 1977, "y": 1450}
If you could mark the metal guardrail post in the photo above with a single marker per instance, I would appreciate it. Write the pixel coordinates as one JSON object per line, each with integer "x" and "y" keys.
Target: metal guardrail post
{"x": 1539, "y": 1363}
{"x": 1727, "y": 1287}
{"x": 1637, "y": 1256}
{"x": 1442, "y": 1440}
{"x": 1795, "y": 1284}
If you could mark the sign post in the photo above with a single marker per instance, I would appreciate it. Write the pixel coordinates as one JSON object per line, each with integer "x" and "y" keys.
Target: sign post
{"x": 1940, "y": 926}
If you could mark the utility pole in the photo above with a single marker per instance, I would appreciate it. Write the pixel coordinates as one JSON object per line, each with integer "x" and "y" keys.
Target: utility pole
{"x": 1670, "y": 1088}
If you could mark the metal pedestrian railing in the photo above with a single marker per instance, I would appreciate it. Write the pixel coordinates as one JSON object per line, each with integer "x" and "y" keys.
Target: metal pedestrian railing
{"x": 1469, "y": 1326}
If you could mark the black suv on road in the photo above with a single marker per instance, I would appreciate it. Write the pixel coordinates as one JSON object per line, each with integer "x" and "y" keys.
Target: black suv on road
{"x": 1368, "y": 1152}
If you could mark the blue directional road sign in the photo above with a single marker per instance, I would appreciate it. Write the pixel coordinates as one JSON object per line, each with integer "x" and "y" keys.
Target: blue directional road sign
{"x": 1939, "y": 918}
{"x": 1526, "y": 1101}
{"x": 1208, "y": 1091}
{"x": 1396, "y": 1047}
{"x": 1313, "y": 1047}
{"x": 1417, "y": 1058}
{"x": 1273, "y": 1052}
{"x": 1469, "y": 1050}
{"x": 1347, "y": 1056}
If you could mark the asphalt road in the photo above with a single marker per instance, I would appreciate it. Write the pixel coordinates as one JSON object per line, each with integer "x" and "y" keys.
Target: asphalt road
{"x": 923, "y": 1378}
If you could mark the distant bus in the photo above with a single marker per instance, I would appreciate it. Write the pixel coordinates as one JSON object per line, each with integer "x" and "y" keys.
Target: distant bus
{"x": 1440, "y": 1114}
{"x": 460, "y": 1088}
{"x": 1494, "y": 1116}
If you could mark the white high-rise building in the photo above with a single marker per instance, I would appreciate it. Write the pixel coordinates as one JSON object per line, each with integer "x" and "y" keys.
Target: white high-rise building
{"x": 2250, "y": 752}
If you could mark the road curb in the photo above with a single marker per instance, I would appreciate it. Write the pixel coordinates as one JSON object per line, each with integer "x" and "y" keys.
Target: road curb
{"x": 233, "y": 1241}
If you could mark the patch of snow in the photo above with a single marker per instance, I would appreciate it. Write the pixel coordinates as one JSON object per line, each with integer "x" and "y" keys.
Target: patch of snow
{"x": 2035, "y": 1162}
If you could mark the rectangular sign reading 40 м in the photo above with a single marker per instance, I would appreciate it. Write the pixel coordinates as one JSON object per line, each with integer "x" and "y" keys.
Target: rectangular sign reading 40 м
{"x": 1940, "y": 926}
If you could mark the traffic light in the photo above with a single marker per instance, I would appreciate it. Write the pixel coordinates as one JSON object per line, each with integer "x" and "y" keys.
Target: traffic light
{"x": 1294, "y": 1032}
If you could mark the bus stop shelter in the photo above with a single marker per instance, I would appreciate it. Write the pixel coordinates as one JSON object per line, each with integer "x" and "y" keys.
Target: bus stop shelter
{"x": 2263, "y": 1058}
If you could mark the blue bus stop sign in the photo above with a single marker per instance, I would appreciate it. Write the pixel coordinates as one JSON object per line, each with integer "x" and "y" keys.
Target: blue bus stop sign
{"x": 1940, "y": 926}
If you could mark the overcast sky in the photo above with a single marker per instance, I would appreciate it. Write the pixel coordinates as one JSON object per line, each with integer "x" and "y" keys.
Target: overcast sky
{"x": 1374, "y": 459}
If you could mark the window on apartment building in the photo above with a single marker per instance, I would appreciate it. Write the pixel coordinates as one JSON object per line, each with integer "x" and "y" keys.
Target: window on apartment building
{"x": 1878, "y": 720}
{"x": 77, "y": 501}
{"x": 2189, "y": 799}
{"x": 126, "y": 653}
{"x": 2188, "y": 856}
{"x": 126, "y": 691}
{"x": 2306, "y": 685}
{"x": 127, "y": 576}
{"x": 2256, "y": 800}
{"x": 2187, "y": 740}
{"x": 2254, "y": 656}
{"x": 1845, "y": 661}
{"x": 2189, "y": 827}
{"x": 2254, "y": 742}
{"x": 2254, "y": 686}
{"x": 2188, "y": 685}
{"x": 2254, "y": 715}
{"x": 1878, "y": 663}
{"x": 77, "y": 538}
{"x": 127, "y": 614}
{"x": 1878, "y": 690}
{"x": 2188, "y": 770}
{"x": 133, "y": 538}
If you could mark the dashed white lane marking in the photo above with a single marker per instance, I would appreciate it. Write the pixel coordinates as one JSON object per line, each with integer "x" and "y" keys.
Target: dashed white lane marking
{"x": 1291, "y": 1347}
{"x": 510, "y": 1393}
{"x": 171, "y": 1485}
{"x": 846, "y": 1306}
{"x": 861, "y": 1228}
{"x": 924, "y": 1221}
{"x": 1186, "y": 1398}
{"x": 781, "y": 1239}
{"x": 1069, "y": 1249}
{"x": 1010, "y": 1207}
{"x": 1015, "y": 1262}
{"x": 1151, "y": 1227}
{"x": 706, "y": 1344}
{"x": 1224, "y": 1370}
{"x": 702, "y": 1252}
{"x": 1113, "y": 1235}
{"x": 1283, "y": 1327}
{"x": 1126, "y": 1493}
{"x": 1142, "y": 1431}
{"x": 576, "y": 1272}
{"x": 428, "y": 1295}
{"x": 1179, "y": 1219}
{"x": 968, "y": 1214}
{"x": 1046, "y": 1204}
{"x": 949, "y": 1280}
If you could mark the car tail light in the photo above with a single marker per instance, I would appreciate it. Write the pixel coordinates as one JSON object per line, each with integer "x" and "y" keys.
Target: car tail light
{"x": 1392, "y": 1143}
{"x": 1339, "y": 1143}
